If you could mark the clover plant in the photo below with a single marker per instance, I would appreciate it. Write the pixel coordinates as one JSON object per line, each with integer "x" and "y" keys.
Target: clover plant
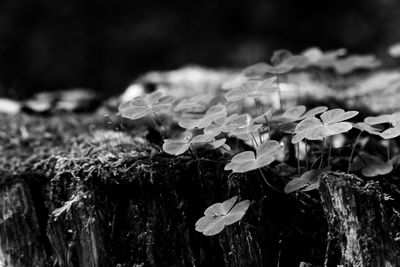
{"x": 214, "y": 120}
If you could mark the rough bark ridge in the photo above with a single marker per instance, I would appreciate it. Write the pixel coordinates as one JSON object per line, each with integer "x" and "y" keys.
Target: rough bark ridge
{"x": 358, "y": 225}
{"x": 21, "y": 240}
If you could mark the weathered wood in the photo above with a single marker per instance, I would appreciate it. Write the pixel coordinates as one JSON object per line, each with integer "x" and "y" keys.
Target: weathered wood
{"x": 77, "y": 236}
{"x": 358, "y": 225}
{"x": 21, "y": 240}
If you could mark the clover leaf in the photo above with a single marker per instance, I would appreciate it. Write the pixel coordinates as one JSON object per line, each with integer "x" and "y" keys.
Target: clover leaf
{"x": 282, "y": 62}
{"x": 236, "y": 82}
{"x": 219, "y": 215}
{"x": 247, "y": 161}
{"x": 144, "y": 105}
{"x": 306, "y": 182}
{"x": 385, "y": 118}
{"x": 331, "y": 123}
{"x": 264, "y": 118}
{"x": 362, "y": 126}
{"x": 197, "y": 103}
{"x": 370, "y": 166}
{"x": 393, "y": 119}
{"x": 287, "y": 120}
{"x": 213, "y": 113}
{"x": 228, "y": 124}
{"x": 323, "y": 59}
{"x": 392, "y": 132}
{"x": 252, "y": 89}
{"x": 178, "y": 146}
{"x": 351, "y": 63}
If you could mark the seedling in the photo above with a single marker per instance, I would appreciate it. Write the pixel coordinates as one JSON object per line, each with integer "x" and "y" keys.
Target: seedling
{"x": 219, "y": 215}
{"x": 205, "y": 124}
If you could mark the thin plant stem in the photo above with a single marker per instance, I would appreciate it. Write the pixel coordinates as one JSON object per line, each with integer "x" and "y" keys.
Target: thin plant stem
{"x": 256, "y": 108}
{"x": 329, "y": 152}
{"x": 315, "y": 161}
{"x": 352, "y": 151}
{"x": 255, "y": 141}
{"x": 298, "y": 158}
{"x": 269, "y": 127}
{"x": 306, "y": 153}
{"x": 259, "y": 136}
{"x": 279, "y": 93}
{"x": 192, "y": 152}
{"x": 388, "y": 150}
{"x": 161, "y": 124}
{"x": 266, "y": 181}
{"x": 322, "y": 153}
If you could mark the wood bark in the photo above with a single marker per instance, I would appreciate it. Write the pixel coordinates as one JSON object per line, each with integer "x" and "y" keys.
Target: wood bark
{"x": 21, "y": 239}
{"x": 359, "y": 229}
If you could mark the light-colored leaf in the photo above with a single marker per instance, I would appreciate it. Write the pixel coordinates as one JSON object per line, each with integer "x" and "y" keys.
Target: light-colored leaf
{"x": 370, "y": 166}
{"x": 391, "y": 133}
{"x": 385, "y": 118}
{"x": 219, "y": 215}
{"x": 306, "y": 182}
{"x": 332, "y": 124}
{"x": 337, "y": 115}
{"x": 362, "y": 126}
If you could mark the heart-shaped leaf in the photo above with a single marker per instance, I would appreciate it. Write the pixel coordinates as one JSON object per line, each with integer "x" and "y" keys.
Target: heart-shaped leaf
{"x": 228, "y": 124}
{"x": 370, "y": 166}
{"x": 213, "y": 113}
{"x": 306, "y": 182}
{"x": 323, "y": 59}
{"x": 337, "y": 115}
{"x": 144, "y": 105}
{"x": 297, "y": 113}
{"x": 391, "y": 133}
{"x": 351, "y": 63}
{"x": 236, "y": 82}
{"x": 179, "y": 145}
{"x": 198, "y": 103}
{"x": 362, "y": 126}
{"x": 219, "y": 215}
{"x": 247, "y": 160}
{"x": 252, "y": 89}
{"x": 331, "y": 123}
{"x": 386, "y": 118}
{"x": 282, "y": 62}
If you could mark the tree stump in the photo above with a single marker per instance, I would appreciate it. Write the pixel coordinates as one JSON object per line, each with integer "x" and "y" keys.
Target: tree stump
{"x": 22, "y": 241}
{"x": 359, "y": 229}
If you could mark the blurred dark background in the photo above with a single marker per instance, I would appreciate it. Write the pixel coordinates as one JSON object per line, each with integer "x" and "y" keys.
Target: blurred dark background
{"x": 104, "y": 45}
